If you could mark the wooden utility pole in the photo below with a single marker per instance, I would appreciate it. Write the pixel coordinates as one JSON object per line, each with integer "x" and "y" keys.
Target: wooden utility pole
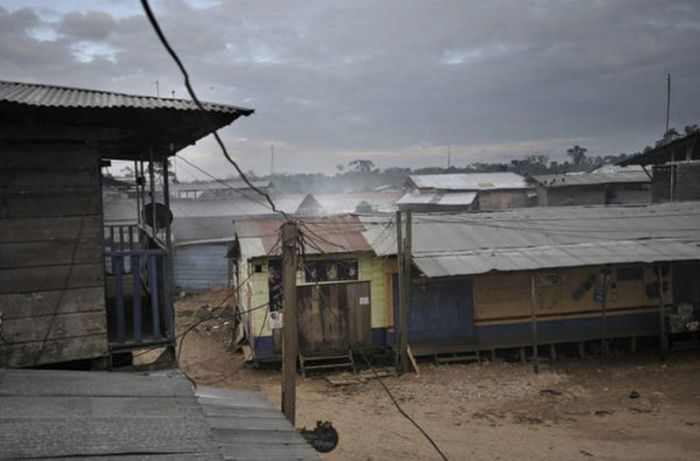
{"x": 289, "y": 319}
{"x": 406, "y": 310}
{"x": 401, "y": 340}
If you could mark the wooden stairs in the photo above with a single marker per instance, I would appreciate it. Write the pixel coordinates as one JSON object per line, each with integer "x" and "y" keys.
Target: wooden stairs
{"x": 326, "y": 362}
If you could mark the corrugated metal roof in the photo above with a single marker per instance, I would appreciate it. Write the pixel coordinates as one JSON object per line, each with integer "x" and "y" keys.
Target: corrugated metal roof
{"x": 469, "y": 181}
{"x": 589, "y": 179}
{"x": 64, "y": 414}
{"x": 549, "y": 257}
{"x": 685, "y": 148}
{"x": 202, "y": 229}
{"x": 546, "y": 227}
{"x": 457, "y": 198}
{"x": 330, "y": 234}
{"x": 42, "y": 95}
{"x": 437, "y": 198}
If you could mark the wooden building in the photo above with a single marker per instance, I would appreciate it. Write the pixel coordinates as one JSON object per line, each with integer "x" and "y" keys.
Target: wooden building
{"x": 545, "y": 276}
{"x": 340, "y": 287}
{"x": 71, "y": 288}
{"x": 466, "y": 191}
{"x": 675, "y": 169}
{"x": 620, "y": 188}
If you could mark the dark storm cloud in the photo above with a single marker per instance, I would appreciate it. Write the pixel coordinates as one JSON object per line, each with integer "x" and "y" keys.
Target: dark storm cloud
{"x": 91, "y": 25}
{"x": 395, "y": 81}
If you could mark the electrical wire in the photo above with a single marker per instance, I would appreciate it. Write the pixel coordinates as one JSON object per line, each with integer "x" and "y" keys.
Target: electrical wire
{"x": 161, "y": 36}
{"x": 401, "y": 410}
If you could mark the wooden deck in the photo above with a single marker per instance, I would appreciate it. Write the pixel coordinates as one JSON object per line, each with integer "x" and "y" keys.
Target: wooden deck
{"x": 51, "y": 414}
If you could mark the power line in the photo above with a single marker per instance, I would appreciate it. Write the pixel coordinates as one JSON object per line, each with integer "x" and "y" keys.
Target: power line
{"x": 161, "y": 36}
{"x": 401, "y": 410}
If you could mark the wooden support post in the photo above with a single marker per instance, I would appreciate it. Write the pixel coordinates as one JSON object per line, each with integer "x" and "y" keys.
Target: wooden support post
{"x": 289, "y": 319}
{"x": 604, "y": 340}
{"x": 581, "y": 349}
{"x": 152, "y": 180}
{"x": 406, "y": 311}
{"x": 168, "y": 271}
{"x": 399, "y": 326}
{"x": 663, "y": 340}
{"x": 553, "y": 352}
{"x": 533, "y": 321}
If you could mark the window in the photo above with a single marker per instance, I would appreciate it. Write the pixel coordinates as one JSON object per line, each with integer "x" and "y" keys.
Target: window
{"x": 330, "y": 270}
{"x": 630, "y": 273}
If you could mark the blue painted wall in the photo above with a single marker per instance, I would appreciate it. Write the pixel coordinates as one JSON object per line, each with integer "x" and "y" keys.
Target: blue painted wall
{"x": 441, "y": 310}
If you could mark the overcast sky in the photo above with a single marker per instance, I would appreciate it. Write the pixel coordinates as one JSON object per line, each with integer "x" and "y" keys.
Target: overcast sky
{"x": 391, "y": 81}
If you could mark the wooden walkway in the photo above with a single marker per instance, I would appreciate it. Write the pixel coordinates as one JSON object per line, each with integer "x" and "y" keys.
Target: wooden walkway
{"x": 51, "y": 414}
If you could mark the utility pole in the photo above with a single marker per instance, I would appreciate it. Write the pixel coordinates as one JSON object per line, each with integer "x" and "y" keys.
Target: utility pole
{"x": 449, "y": 156}
{"x": 272, "y": 160}
{"x": 404, "y": 276}
{"x": 289, "y": 319}
{"x": 668, "y": 101}
{"x": 407, "y": 289}
{"x": 398, "y": 323}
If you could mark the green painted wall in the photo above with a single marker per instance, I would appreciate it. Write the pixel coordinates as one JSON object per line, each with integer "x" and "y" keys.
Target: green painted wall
{"x": 370, "y": 269}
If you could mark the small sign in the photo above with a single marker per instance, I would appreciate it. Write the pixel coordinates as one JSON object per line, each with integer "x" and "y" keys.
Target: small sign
{"x": 364, "y": 300}
{"x": 275, "y": 320}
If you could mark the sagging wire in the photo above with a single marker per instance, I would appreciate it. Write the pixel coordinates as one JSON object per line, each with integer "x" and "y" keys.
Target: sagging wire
{"x": 161, "y": 36}
{"x": 401, "y": 410}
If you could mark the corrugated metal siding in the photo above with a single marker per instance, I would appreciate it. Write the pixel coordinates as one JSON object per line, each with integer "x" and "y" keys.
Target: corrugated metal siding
{"x": 200, "y": 267}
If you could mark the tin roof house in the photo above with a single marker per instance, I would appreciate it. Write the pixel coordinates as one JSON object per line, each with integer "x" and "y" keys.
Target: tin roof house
{"x": 466, "y": 191}
{"x": 675, "y": 169}
{"x": 72, "y": 288}
{"x": 547, "y": 276}
{"x": 594, "y": 188}
{"x": 340, "y": 287}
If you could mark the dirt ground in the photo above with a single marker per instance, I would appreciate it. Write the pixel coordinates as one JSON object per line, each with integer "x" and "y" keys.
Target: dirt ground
{"x": 573, "y": 409}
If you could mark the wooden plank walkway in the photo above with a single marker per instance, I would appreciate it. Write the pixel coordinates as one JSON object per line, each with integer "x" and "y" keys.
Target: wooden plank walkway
{"x": 54, "y": 414}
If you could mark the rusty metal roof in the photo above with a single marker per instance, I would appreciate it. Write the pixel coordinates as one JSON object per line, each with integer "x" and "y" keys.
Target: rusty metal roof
{"x": 328, "y": 234}
{"x": 43, "y": 95}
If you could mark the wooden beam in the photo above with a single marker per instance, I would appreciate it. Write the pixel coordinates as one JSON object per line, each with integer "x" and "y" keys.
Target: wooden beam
{"x": 663, "y": 340}
{"x": 533, "y": 321}
{"x": 290, "y": 346}
{"x": 399, "y": 325}
{"x": 406, "y": 312}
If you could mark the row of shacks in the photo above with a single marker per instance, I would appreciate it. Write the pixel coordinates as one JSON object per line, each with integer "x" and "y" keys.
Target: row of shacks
{"x": 480, "y": 282}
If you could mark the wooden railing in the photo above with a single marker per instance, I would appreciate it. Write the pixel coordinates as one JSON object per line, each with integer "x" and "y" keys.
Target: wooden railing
{"x": 139, "y": 300}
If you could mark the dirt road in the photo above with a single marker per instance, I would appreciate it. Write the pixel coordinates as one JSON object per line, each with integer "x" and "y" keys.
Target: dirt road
{"x": 575, "y": 409}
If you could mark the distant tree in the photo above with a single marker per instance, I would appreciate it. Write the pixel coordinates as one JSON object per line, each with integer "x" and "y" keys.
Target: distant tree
{"x": 340, "y": 168}
{"x": 671, "y": 135}
{"x": 690, "y": 129}
{"x": 362, "y": 165}
{"x": 577, "y": 154}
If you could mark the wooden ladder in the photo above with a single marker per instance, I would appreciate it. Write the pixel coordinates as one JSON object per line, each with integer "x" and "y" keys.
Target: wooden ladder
{"x": 326, "y": 362}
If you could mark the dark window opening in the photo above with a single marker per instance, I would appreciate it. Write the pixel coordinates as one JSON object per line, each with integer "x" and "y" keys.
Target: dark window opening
{"x": 330, "y": 270}
{"x": 630, "y": 273}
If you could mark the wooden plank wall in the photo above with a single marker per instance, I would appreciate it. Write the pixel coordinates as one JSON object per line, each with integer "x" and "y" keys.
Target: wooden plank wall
{"x": 506, "y": 296}
{"x": 51, "y": 269}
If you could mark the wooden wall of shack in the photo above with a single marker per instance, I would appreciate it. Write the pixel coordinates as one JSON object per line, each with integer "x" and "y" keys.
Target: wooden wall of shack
{"x": 254, "y": 292}
{"x": 565, "y": 308}
{"x": 52, "y": 294}
{"x": 499, "y": 199}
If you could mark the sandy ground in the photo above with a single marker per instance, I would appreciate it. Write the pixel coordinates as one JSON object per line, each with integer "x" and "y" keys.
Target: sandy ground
{"x": 574, "y": 409}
